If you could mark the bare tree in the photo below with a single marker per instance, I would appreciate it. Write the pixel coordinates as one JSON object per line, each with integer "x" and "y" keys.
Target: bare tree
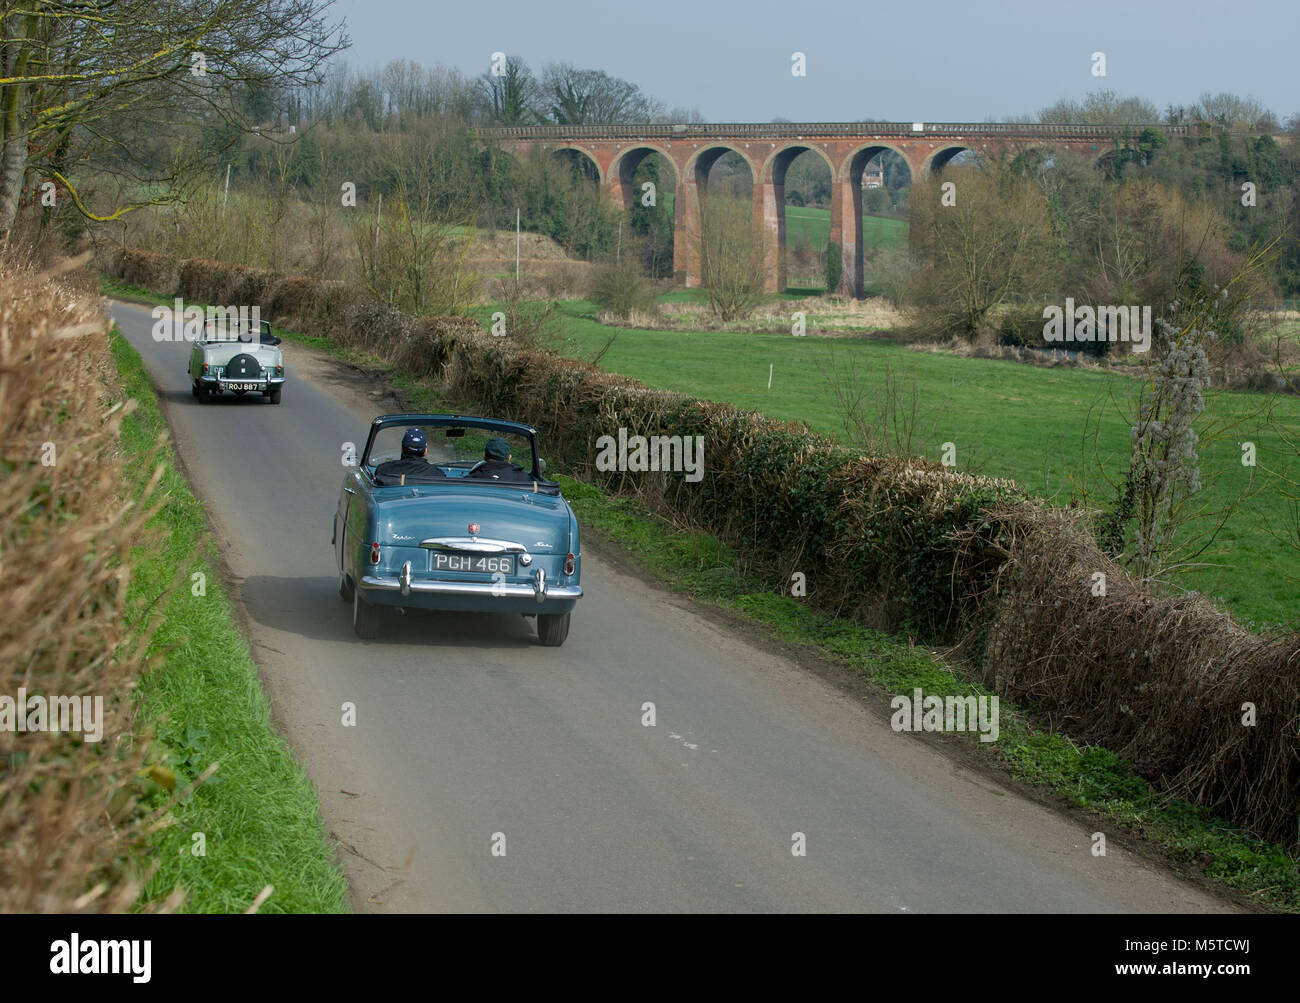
{"x": 733, "y": 258}
{"x": 987, "y": 241}
{"x": 1101, "y": 108}
{"x": 882, "y": 412}
{"x": 414, "y": 256}
{"x": 512, "y": 95}
{"x": 72, "y": 75}
{"x": 1232, "y": 110}
{"x": 1162, "y": 521}
{"x": 575, "y": 96}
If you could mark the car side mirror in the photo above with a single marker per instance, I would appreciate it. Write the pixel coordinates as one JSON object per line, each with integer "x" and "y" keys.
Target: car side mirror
{"x": 541, "y": 465}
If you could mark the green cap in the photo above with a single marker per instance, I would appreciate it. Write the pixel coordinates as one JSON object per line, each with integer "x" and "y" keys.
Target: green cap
{"x": 497, "y": 449}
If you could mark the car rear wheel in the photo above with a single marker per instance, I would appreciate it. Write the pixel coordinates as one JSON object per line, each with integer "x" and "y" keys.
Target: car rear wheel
{"x": 204, "y": 395}
{"x": 552, "y": 628}
{"x": 365, "y": 617}
{"x": 274, "y": 395}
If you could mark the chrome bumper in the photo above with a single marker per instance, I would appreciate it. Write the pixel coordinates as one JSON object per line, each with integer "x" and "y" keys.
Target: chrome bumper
{"x": 221, "y": 381}
{"x": 539, "y": 588}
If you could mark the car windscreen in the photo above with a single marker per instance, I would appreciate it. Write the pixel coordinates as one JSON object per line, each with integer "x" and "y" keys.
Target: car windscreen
{"x": 455, "y": 453}
{"x": 233, "y": 332}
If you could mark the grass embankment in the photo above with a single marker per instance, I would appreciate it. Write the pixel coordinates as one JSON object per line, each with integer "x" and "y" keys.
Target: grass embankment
{"x": 1005, "y": 419}
{"x": 1088, "y": 778}
{"x": 258, "y": 813}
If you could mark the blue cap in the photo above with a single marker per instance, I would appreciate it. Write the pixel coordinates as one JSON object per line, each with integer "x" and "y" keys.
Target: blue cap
{"x": 496, "y": 449}
{"x": 413, "y": 442}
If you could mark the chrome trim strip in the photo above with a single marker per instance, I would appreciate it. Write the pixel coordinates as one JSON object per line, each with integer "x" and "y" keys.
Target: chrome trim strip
{"x": 252, "y": 379}
{"x": 473, "y": 545}
{"x": 404, "y": 579}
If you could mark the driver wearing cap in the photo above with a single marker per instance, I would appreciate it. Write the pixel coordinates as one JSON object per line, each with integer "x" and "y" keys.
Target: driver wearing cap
{"x": 496, "y": 463}
{"x": 412, "y": 462}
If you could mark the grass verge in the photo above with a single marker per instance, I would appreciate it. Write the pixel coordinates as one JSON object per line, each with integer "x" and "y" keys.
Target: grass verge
{"x": 258, "y": 814}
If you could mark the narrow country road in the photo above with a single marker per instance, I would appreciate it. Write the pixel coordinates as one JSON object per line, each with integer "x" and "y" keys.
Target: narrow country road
{"x": 467, "y": 728}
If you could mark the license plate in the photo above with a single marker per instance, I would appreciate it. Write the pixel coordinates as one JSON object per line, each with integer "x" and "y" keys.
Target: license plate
{"x": 242, "y": 386}
{"x": 472, "y": 562}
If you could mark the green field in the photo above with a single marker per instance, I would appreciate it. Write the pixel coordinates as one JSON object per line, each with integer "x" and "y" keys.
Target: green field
{"x": 1005, "y": 419}
{"x": 814, "y": 225}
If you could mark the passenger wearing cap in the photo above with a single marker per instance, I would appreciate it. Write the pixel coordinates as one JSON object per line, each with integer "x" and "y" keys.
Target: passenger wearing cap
{"x": 412, "y": 463}
{"x": 496, "y": 463}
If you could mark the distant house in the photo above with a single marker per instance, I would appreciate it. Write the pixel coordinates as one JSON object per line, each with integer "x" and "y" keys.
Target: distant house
{"x": 874, "y": 177}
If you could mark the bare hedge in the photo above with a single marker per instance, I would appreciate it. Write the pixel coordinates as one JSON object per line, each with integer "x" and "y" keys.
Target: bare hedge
{"x": 70, "y": 824}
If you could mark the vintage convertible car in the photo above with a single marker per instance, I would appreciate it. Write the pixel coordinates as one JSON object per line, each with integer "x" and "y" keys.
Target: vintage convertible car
{"x": 236, "y": 360}
{"x": 462, "y": 533}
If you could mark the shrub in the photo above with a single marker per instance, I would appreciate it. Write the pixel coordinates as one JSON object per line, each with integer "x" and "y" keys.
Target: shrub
{"x": 621, "y": 288}
{"x": 834, "y": 268}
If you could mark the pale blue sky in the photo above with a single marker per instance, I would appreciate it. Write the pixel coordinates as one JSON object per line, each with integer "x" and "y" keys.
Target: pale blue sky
{"x": 935, "y": 60}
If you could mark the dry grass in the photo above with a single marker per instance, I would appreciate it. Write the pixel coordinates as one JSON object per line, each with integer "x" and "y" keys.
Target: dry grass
{"x": 825, "y": 316}
{"x": 549, "y": 279}
{"x": 499, "y": 246}
{"x": 69, "y": 822}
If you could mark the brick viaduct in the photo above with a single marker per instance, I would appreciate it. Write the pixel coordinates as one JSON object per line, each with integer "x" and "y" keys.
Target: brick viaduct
{"x": 615, "y": 152}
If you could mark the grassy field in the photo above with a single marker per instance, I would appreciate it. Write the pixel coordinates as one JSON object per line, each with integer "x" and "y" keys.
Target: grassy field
{"x": 811, "y": 226}
{"x": 259, "y": 814}
{"x": 814, "y": 225}
{"x": 1005, "y": 419}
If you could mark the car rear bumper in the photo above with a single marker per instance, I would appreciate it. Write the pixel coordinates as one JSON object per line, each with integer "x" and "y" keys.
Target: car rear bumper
{"x": 263, "y": 382}
{"x": 537, "y": 596}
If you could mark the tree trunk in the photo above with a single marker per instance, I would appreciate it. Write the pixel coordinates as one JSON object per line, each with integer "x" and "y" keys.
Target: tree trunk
{"x": 13, "y": 128}
{"x": 13, "y": 169}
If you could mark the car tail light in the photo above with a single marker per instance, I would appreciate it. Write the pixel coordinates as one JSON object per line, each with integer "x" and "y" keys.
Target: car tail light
{"x": 374, "y": 553}
{"x": 205, "y": 369}
{"x": 568, "y": 564}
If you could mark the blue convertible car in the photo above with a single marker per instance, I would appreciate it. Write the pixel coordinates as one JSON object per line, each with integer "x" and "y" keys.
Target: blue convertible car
{"x": 453, "y": 513}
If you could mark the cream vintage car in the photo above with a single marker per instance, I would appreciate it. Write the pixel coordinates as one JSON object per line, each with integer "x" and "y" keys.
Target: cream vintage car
{"x": 236, "y": 360}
